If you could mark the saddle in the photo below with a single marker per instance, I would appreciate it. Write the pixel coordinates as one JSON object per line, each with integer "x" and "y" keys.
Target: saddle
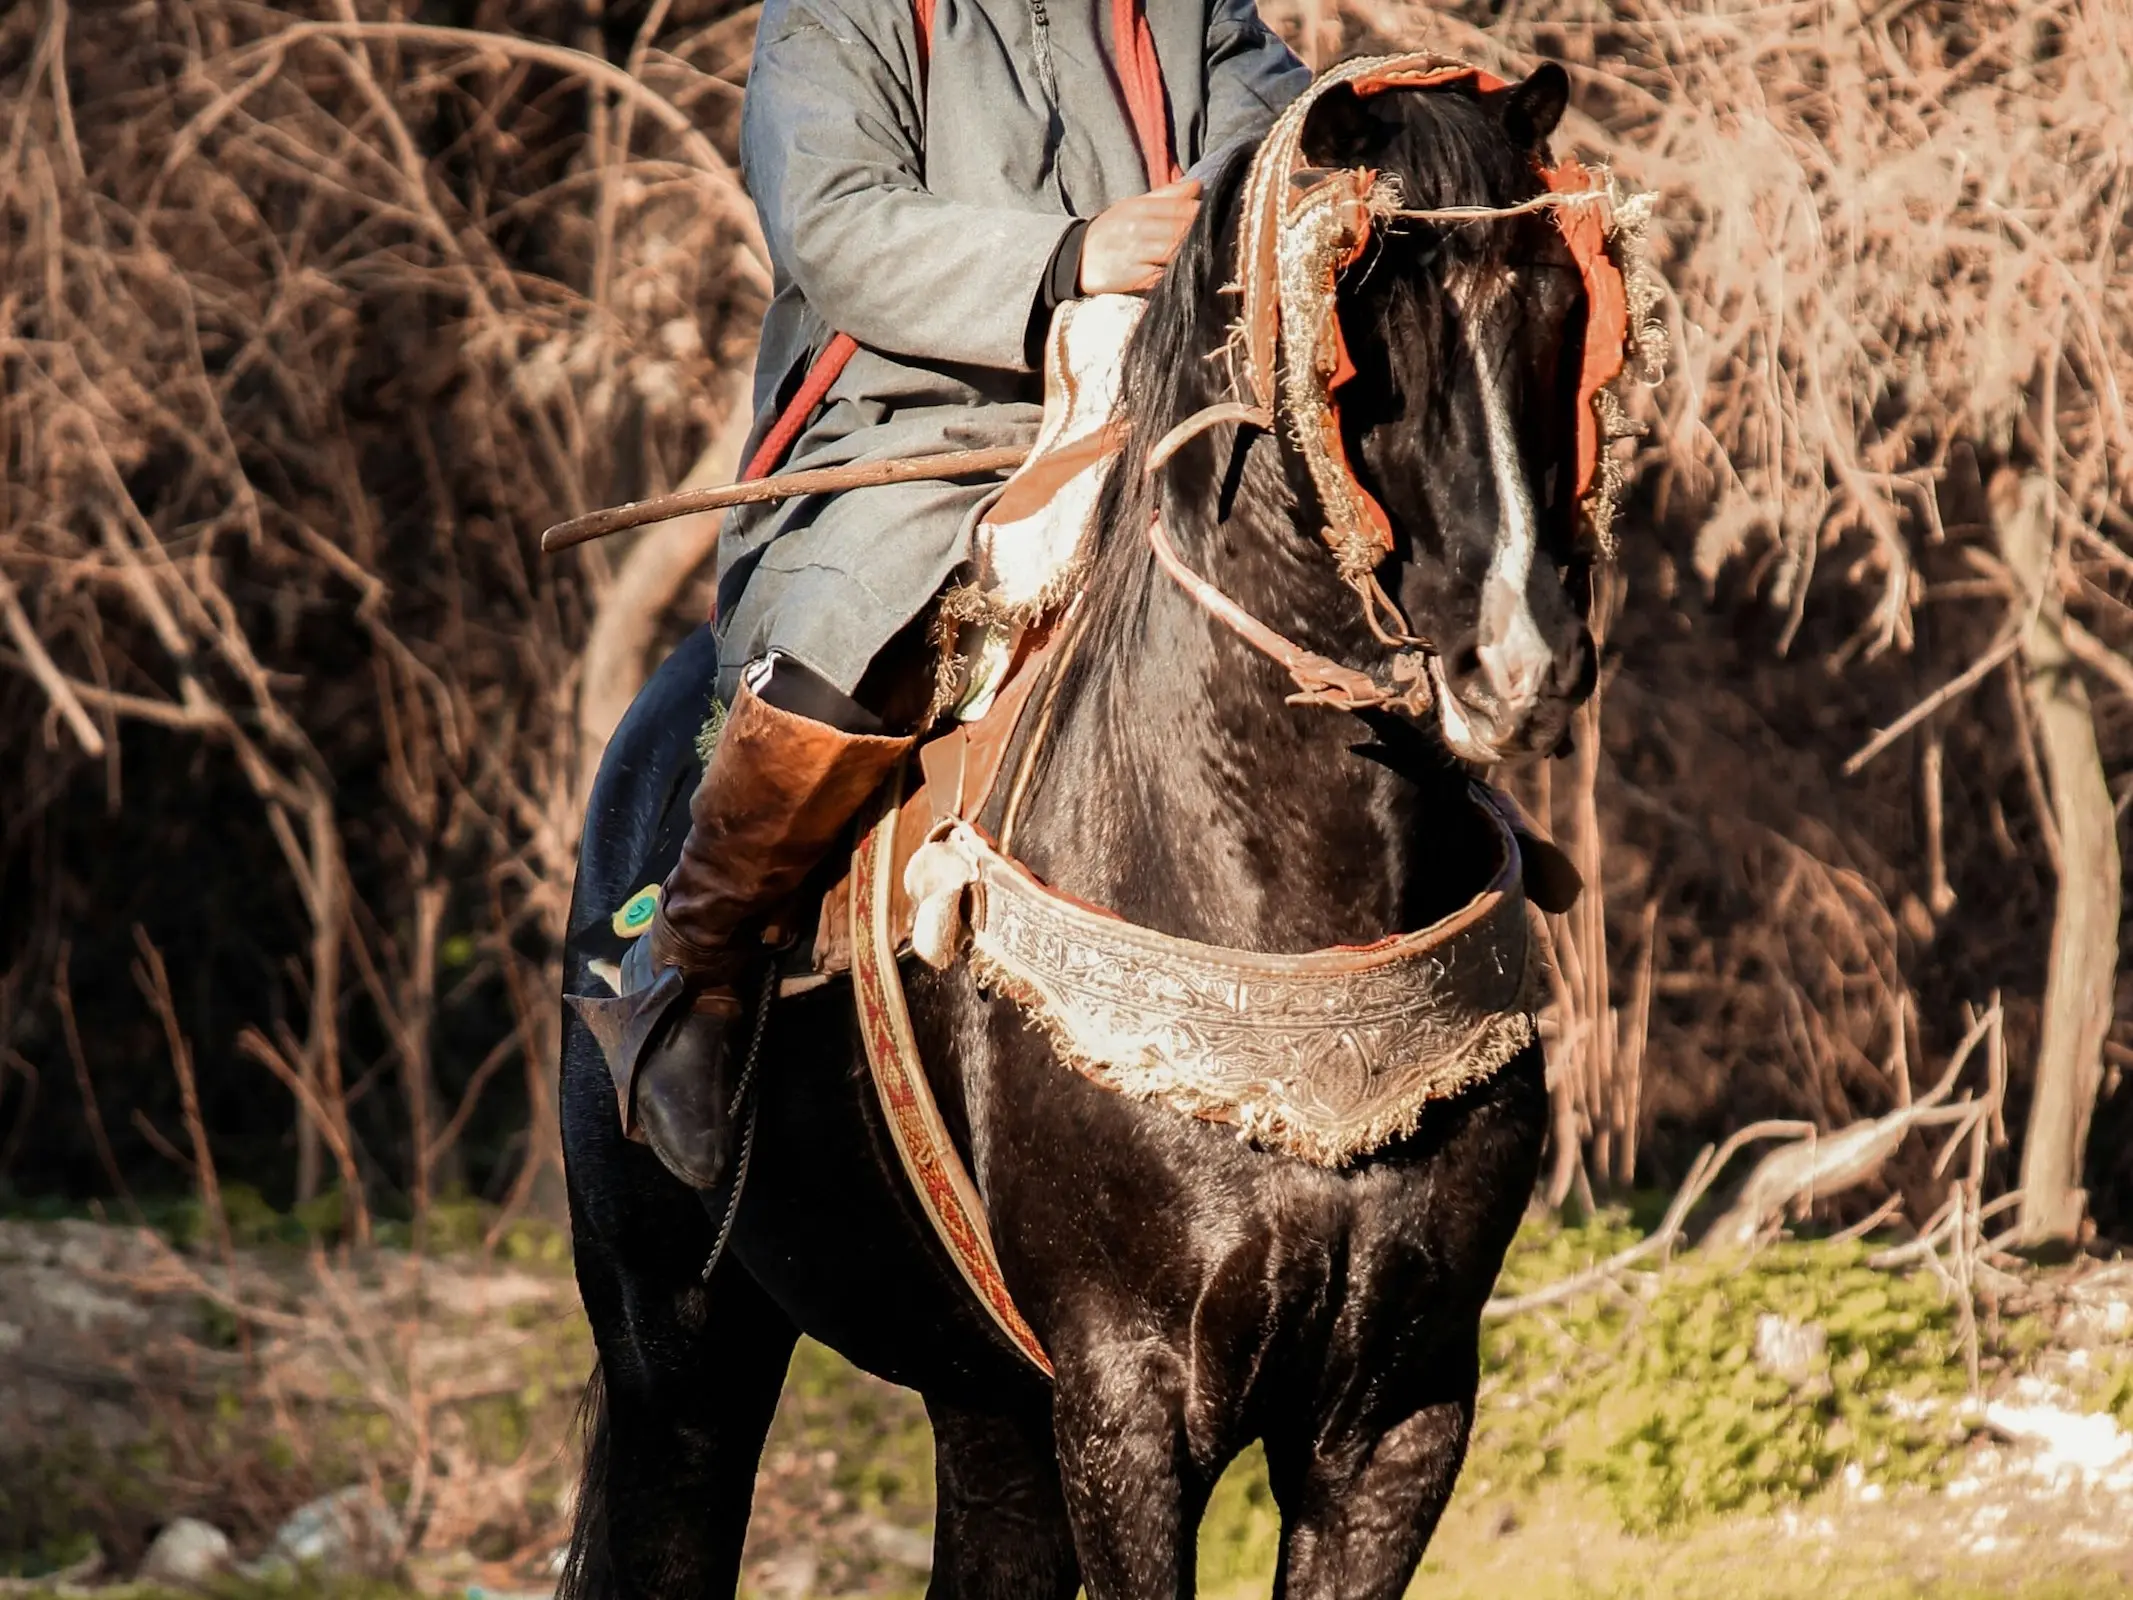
{"x": 999, "y": 625}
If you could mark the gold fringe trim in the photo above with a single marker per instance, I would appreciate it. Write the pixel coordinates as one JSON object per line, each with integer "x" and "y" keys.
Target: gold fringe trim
{"x": 1629, "y": 244}
{"x": 1265, "y": 1120}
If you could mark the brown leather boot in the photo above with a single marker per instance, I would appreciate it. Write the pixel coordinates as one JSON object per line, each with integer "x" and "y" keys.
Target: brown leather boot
{"x": 778, "y": 791}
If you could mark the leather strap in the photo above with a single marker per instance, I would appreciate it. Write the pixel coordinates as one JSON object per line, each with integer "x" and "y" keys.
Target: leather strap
{"x": 1319, "y": 680}
{"x": 924, "y": 1147}
{"x": 962, "y": 765}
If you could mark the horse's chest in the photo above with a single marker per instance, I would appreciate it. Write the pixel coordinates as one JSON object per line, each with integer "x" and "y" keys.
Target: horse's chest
{"x": 1121, "y": 1222}
{"x": 1221, "y": 1244}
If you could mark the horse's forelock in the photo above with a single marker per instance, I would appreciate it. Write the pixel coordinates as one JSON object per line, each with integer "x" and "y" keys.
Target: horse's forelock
{"x": 1447, "y": 146}
{"x": 1443, "y": 147}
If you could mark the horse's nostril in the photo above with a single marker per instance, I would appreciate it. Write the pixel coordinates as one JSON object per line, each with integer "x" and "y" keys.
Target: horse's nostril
{"x": 1466, "y": 661}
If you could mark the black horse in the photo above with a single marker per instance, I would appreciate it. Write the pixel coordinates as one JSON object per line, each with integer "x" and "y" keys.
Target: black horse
{"x": 1195, "y": 1293}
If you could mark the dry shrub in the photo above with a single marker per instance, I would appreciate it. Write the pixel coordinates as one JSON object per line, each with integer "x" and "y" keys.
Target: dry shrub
{"x": 1898, "y": 242}
{"x": 314, "y": 318}
{"x": 1896, "y": 228}
{"x": 158, "y": 1384}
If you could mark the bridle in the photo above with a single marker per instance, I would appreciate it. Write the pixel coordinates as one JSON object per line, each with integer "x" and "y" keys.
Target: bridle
{"x": 1302, "y": 228}
{"x": 1319, "y": 680}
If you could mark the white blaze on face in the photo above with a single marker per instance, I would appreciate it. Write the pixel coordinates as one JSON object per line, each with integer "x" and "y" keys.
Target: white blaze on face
{"x": 1514, "y": 657}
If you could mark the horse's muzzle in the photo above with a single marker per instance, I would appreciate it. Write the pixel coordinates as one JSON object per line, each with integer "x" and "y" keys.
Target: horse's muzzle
{"x": 1495, "y": 706}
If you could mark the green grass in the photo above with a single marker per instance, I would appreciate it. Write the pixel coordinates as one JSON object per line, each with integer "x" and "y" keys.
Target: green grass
{"x": 1628, "y": 1447}
{"x": 881, "y": 1448}
{"x": 1657, "y": 1400}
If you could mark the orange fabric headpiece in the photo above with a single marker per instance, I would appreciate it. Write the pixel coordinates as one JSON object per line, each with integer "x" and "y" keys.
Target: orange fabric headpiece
{"x": 1302, "y": 227}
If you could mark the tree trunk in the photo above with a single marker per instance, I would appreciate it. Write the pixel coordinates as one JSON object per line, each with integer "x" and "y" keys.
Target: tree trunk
{"x": 2083, "y": 967}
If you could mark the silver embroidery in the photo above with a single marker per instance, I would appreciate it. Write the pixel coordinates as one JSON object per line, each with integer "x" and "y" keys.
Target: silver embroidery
{"x": 1324, "y": 1056}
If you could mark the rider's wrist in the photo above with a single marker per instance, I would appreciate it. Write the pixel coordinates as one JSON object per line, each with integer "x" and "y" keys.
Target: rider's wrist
{"x": 1062, "y": 280}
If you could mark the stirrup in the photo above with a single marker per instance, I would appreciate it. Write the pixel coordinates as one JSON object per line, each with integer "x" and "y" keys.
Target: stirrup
{"x": 623, "y": 1025}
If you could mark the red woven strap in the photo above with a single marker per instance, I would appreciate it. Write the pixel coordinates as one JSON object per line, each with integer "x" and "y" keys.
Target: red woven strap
{"x": 1140, "y": 75}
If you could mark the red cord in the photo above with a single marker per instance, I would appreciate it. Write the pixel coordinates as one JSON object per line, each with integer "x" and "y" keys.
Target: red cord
{"x": 825, "y": 372}
{"x": 923, "y": 10}
{"x": 1140, "y": 75}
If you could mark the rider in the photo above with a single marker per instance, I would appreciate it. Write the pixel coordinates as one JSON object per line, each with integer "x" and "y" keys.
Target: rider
{"x": 934, "y": 179}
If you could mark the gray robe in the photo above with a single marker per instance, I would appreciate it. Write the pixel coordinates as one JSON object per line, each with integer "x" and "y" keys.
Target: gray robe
{"x": 924, "y": 232}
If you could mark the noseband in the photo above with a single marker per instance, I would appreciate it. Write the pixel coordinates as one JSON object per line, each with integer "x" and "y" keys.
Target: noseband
{"x": 1302, "y": 228}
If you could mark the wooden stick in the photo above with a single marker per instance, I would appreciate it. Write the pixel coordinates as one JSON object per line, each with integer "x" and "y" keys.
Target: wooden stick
{"x": 821, "y": 480}
{"x": 1969, "y": 677}
{"x": 48, "y": 676}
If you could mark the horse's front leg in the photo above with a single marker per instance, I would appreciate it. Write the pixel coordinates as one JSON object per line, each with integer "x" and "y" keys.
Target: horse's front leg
{"x": 1363, "y": 1470}
{"x": 1358, "y": 1507}
{"x": 1001, "y": 1530}
{"x": 1134, "y": 1495}
{"x": 689, "y": 1372}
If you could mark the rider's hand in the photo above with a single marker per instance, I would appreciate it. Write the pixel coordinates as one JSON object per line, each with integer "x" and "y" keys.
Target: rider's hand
{"x": 1128, "y": 244}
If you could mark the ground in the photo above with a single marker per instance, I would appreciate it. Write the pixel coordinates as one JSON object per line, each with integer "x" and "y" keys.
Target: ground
{"x": 1797, "y": 1423}
{"x": 843, "y": 1503}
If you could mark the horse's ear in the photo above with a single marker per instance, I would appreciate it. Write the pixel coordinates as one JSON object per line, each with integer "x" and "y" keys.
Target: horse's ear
{"x": 1536, "y": 106}
{"x": 1349, "y": 130}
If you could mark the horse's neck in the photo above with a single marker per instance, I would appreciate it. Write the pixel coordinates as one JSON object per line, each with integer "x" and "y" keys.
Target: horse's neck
{"x": 1182, "y": 792}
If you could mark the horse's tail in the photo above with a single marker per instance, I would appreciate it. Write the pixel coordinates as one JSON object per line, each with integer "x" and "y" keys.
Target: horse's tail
{"x": 588, "y": 1574}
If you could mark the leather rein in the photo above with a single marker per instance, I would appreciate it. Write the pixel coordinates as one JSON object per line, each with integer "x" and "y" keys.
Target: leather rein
{"x": 1319, "y": 680}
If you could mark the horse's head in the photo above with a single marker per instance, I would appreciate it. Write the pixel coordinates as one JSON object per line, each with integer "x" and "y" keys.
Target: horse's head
{"x": 1426, "y": 314}
{"x": 1462, "y": 418}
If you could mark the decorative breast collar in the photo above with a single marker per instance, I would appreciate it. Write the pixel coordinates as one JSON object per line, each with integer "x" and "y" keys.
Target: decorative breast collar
{"x": 1323, "y": 1056}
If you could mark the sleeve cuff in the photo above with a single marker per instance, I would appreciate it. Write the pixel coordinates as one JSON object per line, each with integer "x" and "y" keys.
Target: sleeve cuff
{"x": 1062, "y": 282}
